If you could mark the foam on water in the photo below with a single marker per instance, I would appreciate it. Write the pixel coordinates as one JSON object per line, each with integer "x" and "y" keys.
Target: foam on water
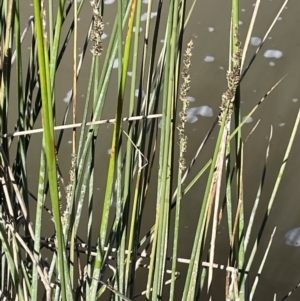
{"x": 292, "y": 237}
{"x": 134, "y": 29}
{"x": 144, "y": 16}
{"x": 209, "y": 59}
{"x": 249, "y": 119}
{"x": 136, "y": 93}
{"x": 68, "y": 96}
{"x": 211, "y": 29}
{"x": 190, "y": 98}
{"x": 116, "y": 63}
{"x": 204, "y": 111}
{"x": 272, "y": 53}
{"x": 104, "y": 36}
{"x": 255, "y": 41}
{"x": 295, "y": 99}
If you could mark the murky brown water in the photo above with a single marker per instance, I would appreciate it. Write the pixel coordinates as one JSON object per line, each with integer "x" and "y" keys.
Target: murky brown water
{"x": 209, "y": 29}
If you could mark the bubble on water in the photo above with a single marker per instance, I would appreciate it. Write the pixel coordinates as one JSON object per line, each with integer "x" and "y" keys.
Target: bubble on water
{"x": 270, "y": 38}
{"x": 248, "y": 120}
{"x": 162, "y": 41}
{"x": 295, "y": 99}
{"x": 255, "y": 41}
{"x": 70, "y": 142}
{"x": 240, "y": 22}
{"x": 144, "y": 16}
{"x": 203, "y": 111}
{"x": 221, "y": 67}
{"x": 272, "y": 64}
{"x": 209, "y": 59}
{"x": 292, "y": 237}
{"x": 145, "y": 1}
{"x": 281, "y": 124}
{"x": 68, "y": 96}
{"x": 211, "y": 29}
{"x": 243, "y": 10}
{"x": 109, "y": 1}
{"x": 272, "y": 53}
{"x": 129, "y": 73}
{"x": 109, "y": 151}
{"x": 190, "y": 98}
{"x": 279, "y": 18}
